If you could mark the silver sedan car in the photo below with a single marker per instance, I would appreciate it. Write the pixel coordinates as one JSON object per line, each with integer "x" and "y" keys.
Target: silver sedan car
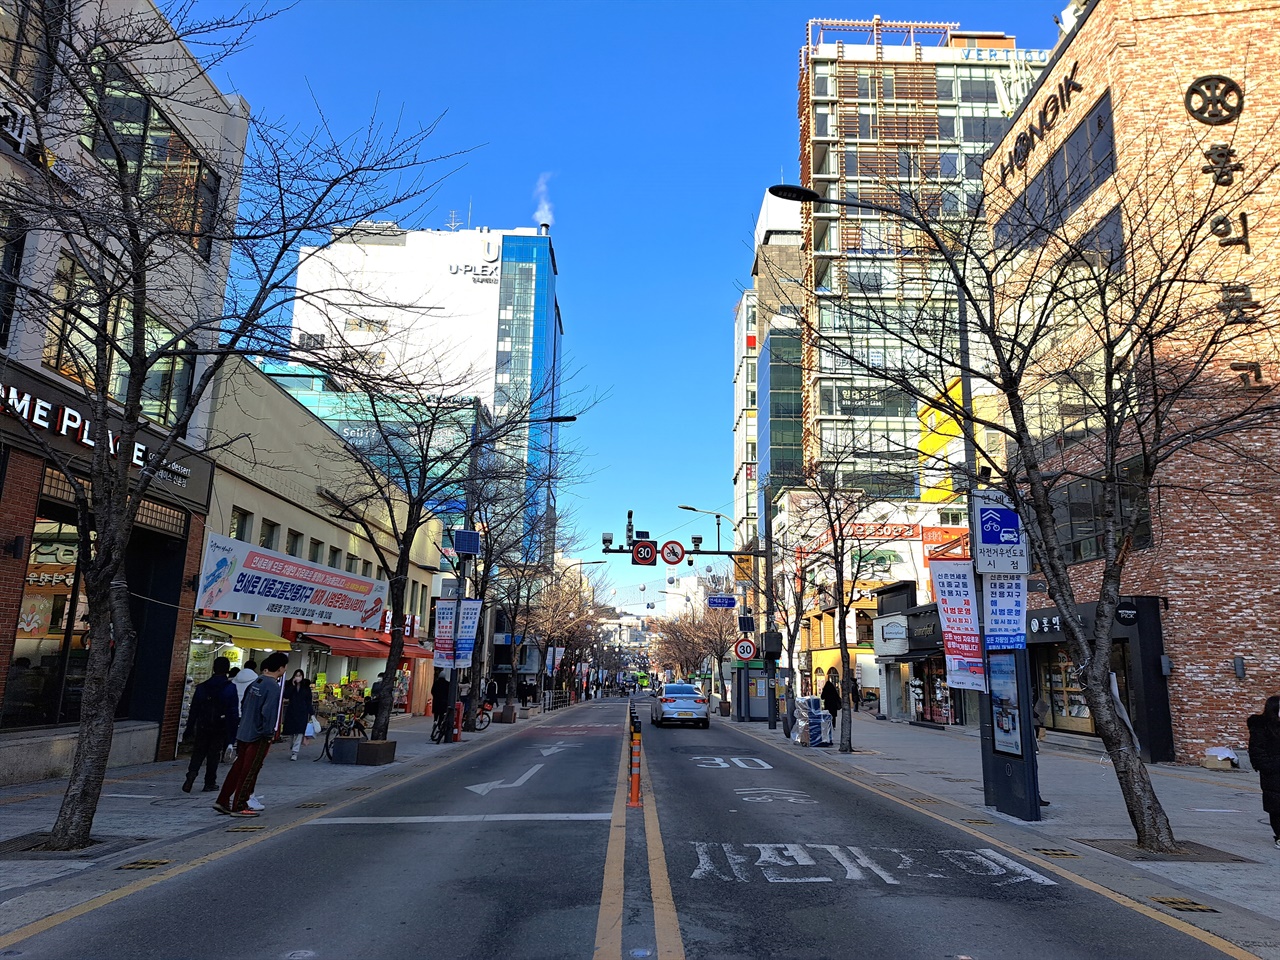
{"x": 681, "y": 702}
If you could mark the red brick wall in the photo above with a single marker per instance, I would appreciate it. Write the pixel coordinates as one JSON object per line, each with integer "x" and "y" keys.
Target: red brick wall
{"x": 167, "y": 745}
{"x": 18, "y": 502}
{"x": 1218, "y": 513}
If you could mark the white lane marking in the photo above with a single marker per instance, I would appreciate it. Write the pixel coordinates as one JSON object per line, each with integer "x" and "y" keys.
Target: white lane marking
{"x": 464, "y": 818}
{"x": 1205, "y": 810}
{"x": 484, "y": 788}
{"x": 133, "y": 796}
{"x": 549, "y": 749}
{"x": 773, "y": 855}
{"x": 1020, "y": 872}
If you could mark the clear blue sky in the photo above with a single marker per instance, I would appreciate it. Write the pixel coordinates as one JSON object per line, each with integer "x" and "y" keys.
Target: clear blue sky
{"x": 658, "y": 126}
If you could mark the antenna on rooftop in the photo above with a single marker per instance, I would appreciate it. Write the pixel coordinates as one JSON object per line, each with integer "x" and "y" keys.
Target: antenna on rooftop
{"x": 453, "y": 223}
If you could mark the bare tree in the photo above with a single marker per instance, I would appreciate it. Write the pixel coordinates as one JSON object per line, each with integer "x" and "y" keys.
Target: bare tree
{"x": 138, "y": 233}
{"x": 1121, "y": 332}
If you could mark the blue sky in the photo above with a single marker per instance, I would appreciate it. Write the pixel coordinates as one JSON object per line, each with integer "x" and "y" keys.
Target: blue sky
{"x": 656, "y": 128}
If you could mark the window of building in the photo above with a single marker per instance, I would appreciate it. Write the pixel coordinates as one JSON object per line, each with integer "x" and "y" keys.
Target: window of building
{"x": 13, "y": 235}
{"x": 315, "y": 551}
{"x": 268, "y": 534}
{"x": 366, "y": 568}
{"x": 80, "y": 321}
{"x": 293, "y": 543}
{"x": 23, "y": 28}
{"x": 864, "y": 86}
{"x": 335, "y": 557}
{"x": 822, "y": 121}
{"x": 172, "y": 182}
{"x": 887, "y": 86}
{"x": 241, "y": 525}
{"x": 867, "y": 123}
{"x": 353, "y": 563}
{"x": 946, "y": 126}
{"x": 953, "y": 518}
{"x": 946, "y": 87}
{"x": 1079, "y": 510}
{"x": 822, "y": 83}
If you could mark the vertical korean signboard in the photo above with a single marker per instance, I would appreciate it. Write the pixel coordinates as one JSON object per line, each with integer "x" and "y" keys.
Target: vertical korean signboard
{"x": 953, "y": 582}
{"x": 1004, "y": 611}
{"x": 445, "y": 610}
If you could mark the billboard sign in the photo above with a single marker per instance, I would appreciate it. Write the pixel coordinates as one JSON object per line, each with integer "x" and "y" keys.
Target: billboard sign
{"x": 239, "y": 577}
{"x": 953, "y": 582}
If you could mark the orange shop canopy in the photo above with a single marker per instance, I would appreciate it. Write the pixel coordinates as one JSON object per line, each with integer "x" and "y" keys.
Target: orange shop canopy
{"x": 415, "y": 652}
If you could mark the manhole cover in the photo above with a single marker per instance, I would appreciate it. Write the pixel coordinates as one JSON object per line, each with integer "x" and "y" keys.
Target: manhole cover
{"x": 1191, "y": 852}
{"x": 925, "y": 800}
{"x": 979, "y": 822}
{"x": 359, "y": 788}
{"x": 959, "y": 780}
{"x": 1054, "y": 852}
{"x": 310, "y": 806}
{"x": 143, "y": 864}
{"x": 257, "y": 826}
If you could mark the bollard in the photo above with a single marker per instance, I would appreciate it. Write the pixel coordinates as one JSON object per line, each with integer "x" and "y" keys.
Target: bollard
{"x": 457, "y": 722}
{"x": 634, "y": 800}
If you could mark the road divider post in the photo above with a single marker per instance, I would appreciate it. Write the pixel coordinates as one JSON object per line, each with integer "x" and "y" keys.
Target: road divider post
{"x": 634, "y": 800}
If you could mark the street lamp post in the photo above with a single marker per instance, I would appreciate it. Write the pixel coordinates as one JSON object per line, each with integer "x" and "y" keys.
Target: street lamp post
{"x": 710, "y": 513}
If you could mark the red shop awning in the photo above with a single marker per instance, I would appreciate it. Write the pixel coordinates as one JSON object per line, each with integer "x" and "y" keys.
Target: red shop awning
{"x": 415, "y": 652}
{"x": 347, "y": 647}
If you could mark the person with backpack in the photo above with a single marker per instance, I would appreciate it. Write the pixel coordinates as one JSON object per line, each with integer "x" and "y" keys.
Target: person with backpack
{"x": 211, "y": 724}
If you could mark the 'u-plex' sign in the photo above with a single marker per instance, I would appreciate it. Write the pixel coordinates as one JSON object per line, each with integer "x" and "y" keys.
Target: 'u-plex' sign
{"x": 1051, "y": 111}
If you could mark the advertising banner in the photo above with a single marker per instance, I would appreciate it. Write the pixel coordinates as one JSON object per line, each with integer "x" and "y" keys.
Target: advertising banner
{"x": 445, "y": 609}
{"x": 238, "y": 577}
{"x": 958, "y": 613}
{"x": 454, "y": 648}
{"x": 1005, "y": 710}
{"x": 1004, "y": 611}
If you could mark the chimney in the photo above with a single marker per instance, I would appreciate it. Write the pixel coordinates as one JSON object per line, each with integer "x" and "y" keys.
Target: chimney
{"x": 544, "y": 229}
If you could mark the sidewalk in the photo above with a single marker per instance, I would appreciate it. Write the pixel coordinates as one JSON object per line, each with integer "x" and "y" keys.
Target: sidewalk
{"x": 1219, "y": 809}
{"x": 145, "y": 803}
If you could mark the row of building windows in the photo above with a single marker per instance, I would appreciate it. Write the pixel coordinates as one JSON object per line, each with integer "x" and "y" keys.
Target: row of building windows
{"x": 951, "y": 84}
{"x": 1070, "y": 176}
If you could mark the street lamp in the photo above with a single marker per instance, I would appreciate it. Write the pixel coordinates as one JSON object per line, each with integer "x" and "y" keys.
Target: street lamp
{"x": 710, "y": 513}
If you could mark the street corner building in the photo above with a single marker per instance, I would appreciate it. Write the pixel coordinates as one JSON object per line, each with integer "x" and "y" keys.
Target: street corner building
{"x": 1148, "y": 112}
{"x": 197, "y": 144}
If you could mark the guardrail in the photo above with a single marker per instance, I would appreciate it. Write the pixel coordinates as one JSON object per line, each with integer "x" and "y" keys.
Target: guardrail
{"x": 555, "y": 699}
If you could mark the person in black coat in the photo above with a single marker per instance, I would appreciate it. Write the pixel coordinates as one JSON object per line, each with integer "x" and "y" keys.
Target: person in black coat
{"x": 212, "y": 719}
{"x": 298, "y": 710}
{"x": 831, "y": 698}
{"x": 1264, "y": 754}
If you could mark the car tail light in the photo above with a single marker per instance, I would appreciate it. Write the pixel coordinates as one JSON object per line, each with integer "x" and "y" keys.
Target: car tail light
{"x": 668, "y": 700}
{"x": 700, "y": 700}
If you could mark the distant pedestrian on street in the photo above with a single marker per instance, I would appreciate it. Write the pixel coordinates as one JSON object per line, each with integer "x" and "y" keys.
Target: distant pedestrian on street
{"x": 259, "y": 718}
{"x": 211, "y": 724}
{"x": 244, "y": 679}
{"x": 440, "y": 695}
{"x": 831, "y": 698}
{"x": 1264, "y": 754}
{"x": 298, "y": 710}
{"x": 857, "y": 694}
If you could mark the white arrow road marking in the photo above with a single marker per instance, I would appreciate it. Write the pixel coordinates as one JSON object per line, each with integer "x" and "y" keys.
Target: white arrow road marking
{"x": 549, "y": 749}
{"x": 484, "y": 788}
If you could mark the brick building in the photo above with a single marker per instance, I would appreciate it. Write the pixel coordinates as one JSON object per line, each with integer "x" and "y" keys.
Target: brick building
{"x": 1153, "y": 121}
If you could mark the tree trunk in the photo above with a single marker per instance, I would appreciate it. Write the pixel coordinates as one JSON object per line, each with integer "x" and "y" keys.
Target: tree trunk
{"x": 1149, "y": 820}
{"x": 106, "y": 673}
{"x": 846, "y": 716}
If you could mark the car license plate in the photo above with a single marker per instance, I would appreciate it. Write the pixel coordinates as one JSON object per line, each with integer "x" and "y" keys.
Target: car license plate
{"x": 684, "y": 713}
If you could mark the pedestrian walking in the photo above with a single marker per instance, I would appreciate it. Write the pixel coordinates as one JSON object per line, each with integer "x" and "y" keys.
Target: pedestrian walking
{"x": 298, "y": 710}
{"x": 244, "y": 678}
{"x": 831, "y": 698}
{"x": 857, "y": 694}
{"x": 491, "y": 692}
{"x": 212, "y": 719}
{"x": 440, "y": 695}
{"x": 259, "y": 718}
{"x": 1264, "y": 754}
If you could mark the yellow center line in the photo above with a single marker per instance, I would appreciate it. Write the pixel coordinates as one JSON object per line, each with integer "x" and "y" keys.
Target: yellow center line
{"x": 609, "y": 921}
{"x": 1191, "y": 930}
{"x": 666, "y": 922}
{"x": 112, "y": 896}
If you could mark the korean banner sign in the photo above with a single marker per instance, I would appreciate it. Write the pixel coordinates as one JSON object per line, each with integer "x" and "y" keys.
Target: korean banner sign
{"x": 958, "y": 614}
{"x": 1004, "y": 609}
{"x": 238, "y": 577}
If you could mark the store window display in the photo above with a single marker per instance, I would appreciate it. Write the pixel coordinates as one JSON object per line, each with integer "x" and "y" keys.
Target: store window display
{"x": 46, "y": 673}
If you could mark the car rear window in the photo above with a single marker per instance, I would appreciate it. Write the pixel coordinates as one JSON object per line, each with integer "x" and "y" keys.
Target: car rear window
{"x": 680, "y": 690}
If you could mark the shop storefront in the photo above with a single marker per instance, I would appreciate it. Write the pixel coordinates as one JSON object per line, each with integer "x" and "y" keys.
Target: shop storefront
{"x": 909, "y": 655}
{"x": 1137, "y": 663}
{"x": 43, "y": 651}
{"x": 345, "y": 663}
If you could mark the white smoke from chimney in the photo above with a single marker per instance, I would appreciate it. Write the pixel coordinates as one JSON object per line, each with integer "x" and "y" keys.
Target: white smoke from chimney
{"x": 543, "y": 213}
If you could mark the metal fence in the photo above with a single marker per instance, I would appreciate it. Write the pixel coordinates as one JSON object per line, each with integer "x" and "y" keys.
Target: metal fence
{"x": 555, "y": 699}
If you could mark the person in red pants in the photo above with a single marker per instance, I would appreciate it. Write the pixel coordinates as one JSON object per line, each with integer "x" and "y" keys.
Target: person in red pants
{"x": 259, "y": 719}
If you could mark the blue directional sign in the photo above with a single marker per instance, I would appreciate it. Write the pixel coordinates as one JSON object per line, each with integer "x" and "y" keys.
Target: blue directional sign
{"x": 722, "y": 601}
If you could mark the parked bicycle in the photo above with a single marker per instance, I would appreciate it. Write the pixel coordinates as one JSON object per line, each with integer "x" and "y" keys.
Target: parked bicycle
{"x": 343, "y": 725}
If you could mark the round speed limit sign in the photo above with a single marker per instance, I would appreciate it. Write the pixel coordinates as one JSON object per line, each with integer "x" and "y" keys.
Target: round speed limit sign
{"x": 745, "y": 649}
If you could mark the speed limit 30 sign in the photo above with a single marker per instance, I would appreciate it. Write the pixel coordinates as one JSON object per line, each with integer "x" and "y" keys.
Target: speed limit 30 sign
{"x": 745, "y": 649}
{"x": 672, "y": 552}
{"x": 644, "y": 553}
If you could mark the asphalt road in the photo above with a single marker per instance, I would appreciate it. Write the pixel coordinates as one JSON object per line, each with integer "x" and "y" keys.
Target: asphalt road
{"x": 770, "y": 856}
{"x": 525, "y": 849}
